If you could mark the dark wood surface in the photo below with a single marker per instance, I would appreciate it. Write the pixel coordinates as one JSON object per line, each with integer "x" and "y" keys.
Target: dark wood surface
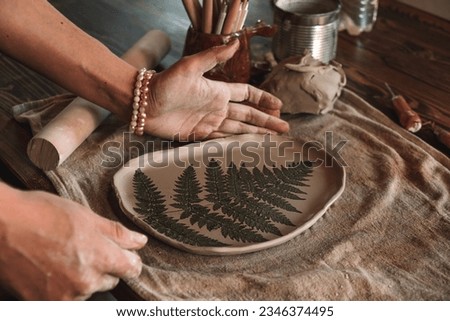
{"x": 408, "y": 48}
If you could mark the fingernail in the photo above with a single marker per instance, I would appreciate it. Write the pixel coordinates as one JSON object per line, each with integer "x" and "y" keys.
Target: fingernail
{"x": 232, "y": 41}
{"x": 139, "y": 238}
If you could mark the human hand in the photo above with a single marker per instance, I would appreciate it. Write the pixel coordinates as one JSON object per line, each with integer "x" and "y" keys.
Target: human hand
{"x": 56, "y": 249}
{"x": 188, "y": 106}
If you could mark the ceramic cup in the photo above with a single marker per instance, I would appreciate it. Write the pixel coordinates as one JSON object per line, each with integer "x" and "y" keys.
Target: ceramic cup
{"x": 236, "y": 69}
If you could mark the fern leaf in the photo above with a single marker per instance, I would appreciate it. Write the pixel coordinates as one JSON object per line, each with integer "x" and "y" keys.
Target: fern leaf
{"x": 271, "y": 193}
{"x": 151, "y": 206}
{"x": 216, "y": 186}
{"x": 285, "y": 178}
{"x": 147, "y": 194}
{"x": 246, "y": 179}
{"x": 187, "y": 189}
{"x": 249, "y": 202}
{"x": 267, "y": 211}
{"x": 302, "y": 170}
{"x": 173, "y": 229}
{"x": 246, "y": 213}
{"x": 228, "y": 227}
{"x": 252, "y": 206}
{"x": 275, "y": 200}
{"x": 268, "y": 181}
{"x": 202, "y": 217}
{"x": 295, "y": 174}
{"x": 241, "y": 233}
{"x": 234, "y": 183}
{"x": 281, "y": 185}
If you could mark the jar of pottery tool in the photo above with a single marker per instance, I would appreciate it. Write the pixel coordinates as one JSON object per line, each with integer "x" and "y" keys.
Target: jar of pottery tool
{"x": 358, "y": 15}
{"x": 236, "y": 69}
{"x": 306, "y": 24}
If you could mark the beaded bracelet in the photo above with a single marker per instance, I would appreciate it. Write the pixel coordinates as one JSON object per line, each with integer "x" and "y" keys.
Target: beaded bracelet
{"x": 140, "y": 101}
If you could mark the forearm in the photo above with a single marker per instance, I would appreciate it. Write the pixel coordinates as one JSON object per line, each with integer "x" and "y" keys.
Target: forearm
{"x": 9, "y": 199}
{"x": 36, "y": 34}
{"x": 8, "y": 196}
{"x": 4, "y": 211}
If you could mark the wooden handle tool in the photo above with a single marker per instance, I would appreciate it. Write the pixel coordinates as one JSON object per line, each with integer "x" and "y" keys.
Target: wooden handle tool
{"x": 232, "y": 17}
{"x": 208, "y": 15}
{"x": 409, "y": 119}
{"x": 61, "y": 136}
{"x": 194, "y": 11}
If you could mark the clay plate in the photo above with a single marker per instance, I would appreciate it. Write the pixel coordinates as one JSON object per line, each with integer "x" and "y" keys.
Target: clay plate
{"x": 230, "y": 196}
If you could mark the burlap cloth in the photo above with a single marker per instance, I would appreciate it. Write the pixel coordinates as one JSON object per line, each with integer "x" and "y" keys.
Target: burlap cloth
{"x": 386, "y": 237}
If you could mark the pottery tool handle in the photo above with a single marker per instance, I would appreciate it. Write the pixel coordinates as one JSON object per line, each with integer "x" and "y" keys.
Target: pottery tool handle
{"x": 194, "y": 11}
{"x": 409, "y": 119}
{"x": 208, "y": 15}
{"x": 232, "y": 17}
{"x": 61, "y": 136}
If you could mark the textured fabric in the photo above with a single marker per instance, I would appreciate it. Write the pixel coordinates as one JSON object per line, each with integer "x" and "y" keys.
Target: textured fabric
{"x": 386, "y": 237}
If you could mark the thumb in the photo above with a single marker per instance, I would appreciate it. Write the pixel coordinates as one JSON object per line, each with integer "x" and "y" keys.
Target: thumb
{"x": 122, "y": 236}
{"x": 209, "y": 58}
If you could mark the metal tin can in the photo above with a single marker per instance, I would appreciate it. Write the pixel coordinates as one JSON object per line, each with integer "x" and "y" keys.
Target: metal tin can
{"x": 306, "y": 24}
{"x": 363, "y": 13}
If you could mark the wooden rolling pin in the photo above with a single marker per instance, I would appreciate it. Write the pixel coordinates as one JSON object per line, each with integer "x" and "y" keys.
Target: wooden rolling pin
{"x": 61, "y": 136}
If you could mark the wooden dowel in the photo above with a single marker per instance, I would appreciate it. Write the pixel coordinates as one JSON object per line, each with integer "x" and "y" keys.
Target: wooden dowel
{"x": 207, "y": 22}
{"x": 193, "y": 9}
{"x": 238, "y": 17}
{"x": 198, "y": 12}
{"x": 217, "y": 4}
{"x": 232, "y": 16}
{"x": 243, "y": 15}
{"x": 222, "y": 16}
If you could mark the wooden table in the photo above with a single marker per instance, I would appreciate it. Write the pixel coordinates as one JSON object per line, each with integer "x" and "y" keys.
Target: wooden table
{"x": 408, "y": 48}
